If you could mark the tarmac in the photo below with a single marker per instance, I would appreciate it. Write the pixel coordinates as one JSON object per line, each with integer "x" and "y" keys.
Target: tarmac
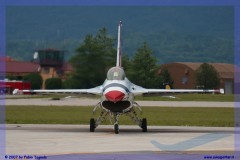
{"x": 92, "y": 102}
{"x": 76, "y": 139}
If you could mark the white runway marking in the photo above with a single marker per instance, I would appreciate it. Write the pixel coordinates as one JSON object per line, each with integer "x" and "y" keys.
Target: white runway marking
{"x": 92, "y": 102}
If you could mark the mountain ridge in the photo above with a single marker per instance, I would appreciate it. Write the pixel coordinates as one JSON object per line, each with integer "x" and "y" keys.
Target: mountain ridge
{"x": 174, "y": 33}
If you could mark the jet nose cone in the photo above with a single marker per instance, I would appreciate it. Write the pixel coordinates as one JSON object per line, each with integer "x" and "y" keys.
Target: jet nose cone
{"x": 114, "y": 96}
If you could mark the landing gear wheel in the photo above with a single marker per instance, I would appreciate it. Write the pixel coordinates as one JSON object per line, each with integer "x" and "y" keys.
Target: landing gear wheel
{"x": 116, "y": 128}
{"x": 92, "y": 125}
{"x": 144, "y": 125}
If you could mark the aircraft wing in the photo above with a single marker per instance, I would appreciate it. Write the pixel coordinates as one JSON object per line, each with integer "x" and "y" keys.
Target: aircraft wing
{"x": 96, "y": 90}
{"x": 185, "y": 91}
{"x": 137, "y": 90}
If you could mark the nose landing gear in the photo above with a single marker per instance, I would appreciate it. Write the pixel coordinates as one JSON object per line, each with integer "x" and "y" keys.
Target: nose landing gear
{"x": 116, "y": 129}
{"x": 116, "y": 117}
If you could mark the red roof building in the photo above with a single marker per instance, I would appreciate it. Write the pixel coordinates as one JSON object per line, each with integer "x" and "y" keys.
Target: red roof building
{"x": 19, "y": 67}
{"x": 12, "y": 67}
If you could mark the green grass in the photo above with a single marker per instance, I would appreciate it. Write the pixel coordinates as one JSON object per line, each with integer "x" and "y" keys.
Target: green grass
{"x": 189, "y": 97}
{"x": 162, "y": 116}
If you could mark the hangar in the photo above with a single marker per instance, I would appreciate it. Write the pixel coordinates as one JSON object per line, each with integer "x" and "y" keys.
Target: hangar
{"x": 183, "y": 75}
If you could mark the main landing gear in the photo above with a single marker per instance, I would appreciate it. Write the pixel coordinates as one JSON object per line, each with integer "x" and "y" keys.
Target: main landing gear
{"x": 92, "y": 125}
{"x": 142, "y": 123}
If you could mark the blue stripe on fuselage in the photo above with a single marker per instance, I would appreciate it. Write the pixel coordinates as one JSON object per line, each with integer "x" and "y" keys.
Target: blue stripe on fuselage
{"x": 116, "y": 85}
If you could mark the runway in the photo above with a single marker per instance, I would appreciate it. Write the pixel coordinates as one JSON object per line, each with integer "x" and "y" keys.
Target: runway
{"x": 52, "y": 140}
{"x": 92, "y": 102}
{"x": 160, "y": 142}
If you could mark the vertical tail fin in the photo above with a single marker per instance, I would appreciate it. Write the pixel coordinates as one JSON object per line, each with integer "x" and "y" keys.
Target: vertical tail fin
{"x": 119, "y": 46}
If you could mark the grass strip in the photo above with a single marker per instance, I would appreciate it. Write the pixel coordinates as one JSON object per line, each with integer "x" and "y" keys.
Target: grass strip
{"x": 160, "y": 116}
{"x": 178, "y": 97}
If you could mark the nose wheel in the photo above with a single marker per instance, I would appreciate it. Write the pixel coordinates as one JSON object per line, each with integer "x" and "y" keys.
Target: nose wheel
{"x": 116, "y": 128}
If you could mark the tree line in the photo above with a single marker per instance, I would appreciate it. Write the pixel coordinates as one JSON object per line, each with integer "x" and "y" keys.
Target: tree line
{"x": 97, "y": 54}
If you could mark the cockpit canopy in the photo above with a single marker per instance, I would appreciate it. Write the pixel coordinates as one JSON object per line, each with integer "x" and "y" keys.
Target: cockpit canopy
{"x": 115, "y": 73}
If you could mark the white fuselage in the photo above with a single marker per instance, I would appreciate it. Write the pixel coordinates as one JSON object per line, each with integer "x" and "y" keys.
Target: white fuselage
{"x": 117, "y": 93}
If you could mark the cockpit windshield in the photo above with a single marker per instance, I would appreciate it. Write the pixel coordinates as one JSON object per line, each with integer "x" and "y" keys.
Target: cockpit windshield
{"x": 115, "y": 73}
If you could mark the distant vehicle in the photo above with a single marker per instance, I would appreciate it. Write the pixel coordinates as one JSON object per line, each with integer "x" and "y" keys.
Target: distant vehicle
{"x": 8, "y": 86}
{"x": 117, "y": 94}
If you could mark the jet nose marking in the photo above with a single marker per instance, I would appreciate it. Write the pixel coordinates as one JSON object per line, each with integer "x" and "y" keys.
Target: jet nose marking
{"x": 114, "y": 96}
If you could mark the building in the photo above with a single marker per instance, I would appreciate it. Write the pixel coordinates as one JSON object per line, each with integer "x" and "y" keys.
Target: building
{"x": 17, "y": 68}
{"x": 49, "y": 63}
{"x": 183, "y": 75}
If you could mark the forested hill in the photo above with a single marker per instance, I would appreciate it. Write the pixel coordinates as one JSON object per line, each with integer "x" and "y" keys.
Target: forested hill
{"x": 173, "y": 33}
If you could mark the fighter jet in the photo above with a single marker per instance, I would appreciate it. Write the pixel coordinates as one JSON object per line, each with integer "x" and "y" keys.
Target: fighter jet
{"x": 117, "y": 94}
